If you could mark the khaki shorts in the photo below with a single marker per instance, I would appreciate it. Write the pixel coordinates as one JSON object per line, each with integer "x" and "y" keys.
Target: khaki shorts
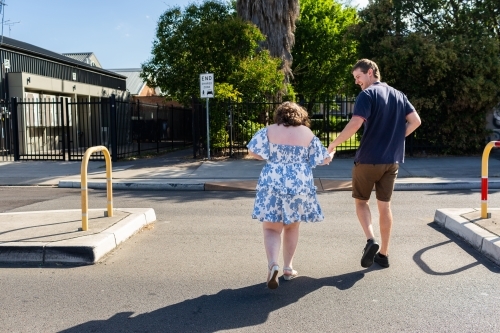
{"x": 366, "y": 176}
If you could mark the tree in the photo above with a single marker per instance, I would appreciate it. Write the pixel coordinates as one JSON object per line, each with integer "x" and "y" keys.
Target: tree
{"x": 324, "y": 51}
{"x": 445, "y": 56}
{"x": 276, "y": 19}
{"x": 211, "y": 38}
{"x": 207, "y": 38}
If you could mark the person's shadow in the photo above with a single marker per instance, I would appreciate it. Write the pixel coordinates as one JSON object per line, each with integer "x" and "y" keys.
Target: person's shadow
{"x": 228, "y": 309}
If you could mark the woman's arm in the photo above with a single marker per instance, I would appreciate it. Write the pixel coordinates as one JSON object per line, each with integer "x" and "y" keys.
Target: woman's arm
{"x": 257, "y": 157}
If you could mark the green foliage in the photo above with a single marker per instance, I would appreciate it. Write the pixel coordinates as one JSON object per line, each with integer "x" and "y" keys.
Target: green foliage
{"x": 219, "y": 137}
{"x": 245, "y": 129}
{"x": 259, "y": 77}
{"x": 289, "y": 93}
{"x": 225, "y": 91}
{"x": 324, "y": 49}
{"x": 209, "y": 38}
{"x": 444, "y": 57}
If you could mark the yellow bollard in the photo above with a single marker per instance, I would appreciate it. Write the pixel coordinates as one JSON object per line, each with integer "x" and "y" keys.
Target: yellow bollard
{"x": 484, "y": 178}
{"x": 83, "y": 182}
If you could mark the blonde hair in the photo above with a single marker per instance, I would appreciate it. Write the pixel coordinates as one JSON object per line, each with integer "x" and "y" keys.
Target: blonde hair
{"x": 291, "y": 114}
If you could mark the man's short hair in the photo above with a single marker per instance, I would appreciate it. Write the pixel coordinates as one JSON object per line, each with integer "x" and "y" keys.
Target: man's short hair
{"x": 365, "y": 64}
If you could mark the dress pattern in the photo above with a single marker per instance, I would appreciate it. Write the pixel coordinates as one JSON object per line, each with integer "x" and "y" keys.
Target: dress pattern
{"x": 285, "y": 189}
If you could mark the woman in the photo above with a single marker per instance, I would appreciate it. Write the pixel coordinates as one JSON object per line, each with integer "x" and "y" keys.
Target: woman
{"x": 286, "y": 194}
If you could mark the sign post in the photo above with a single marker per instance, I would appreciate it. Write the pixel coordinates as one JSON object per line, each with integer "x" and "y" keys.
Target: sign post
{"x": 207, "y": 91}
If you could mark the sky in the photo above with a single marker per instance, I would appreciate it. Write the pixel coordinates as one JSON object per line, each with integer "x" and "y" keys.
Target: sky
{"x": 119, "y": 32}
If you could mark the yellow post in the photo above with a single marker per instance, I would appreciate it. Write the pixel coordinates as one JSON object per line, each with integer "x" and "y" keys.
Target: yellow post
{"x": 84, "y": 189}
{"x": 484, "y": 178}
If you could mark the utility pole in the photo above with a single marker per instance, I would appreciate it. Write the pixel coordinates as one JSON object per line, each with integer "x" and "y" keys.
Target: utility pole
{"x": 2, "y": 11}
{"x": 5, "y": 23}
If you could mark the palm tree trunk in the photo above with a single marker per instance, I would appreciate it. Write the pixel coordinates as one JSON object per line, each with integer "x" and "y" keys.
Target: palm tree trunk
{"x": 276, "y": 20}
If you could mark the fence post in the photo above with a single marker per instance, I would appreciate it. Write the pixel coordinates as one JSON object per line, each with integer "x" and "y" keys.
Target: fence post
{"x": 112, "y": 128}
{"x": 63, "y": 139}
{"x": 15, "y": 128}
{"x": 67, "y": 127}
{"x": 195, "y": 128}
{"x": 158, "y": 126}
{"x": 230, "y": 108}
{"x": 170, "y": 127}
{"x": 139, "y": 128}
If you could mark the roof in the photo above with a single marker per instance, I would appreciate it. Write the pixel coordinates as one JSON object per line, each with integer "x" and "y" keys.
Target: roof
{"x": 78, "y": 56}
{"x": 135, "y": 83}
{"x": 86, "y": 57}
{"x": 9, "y": 43}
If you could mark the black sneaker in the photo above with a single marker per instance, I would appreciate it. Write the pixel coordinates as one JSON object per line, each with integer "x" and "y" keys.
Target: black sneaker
{"x": 381, "y": 260}
{"x": 369, "y": 252}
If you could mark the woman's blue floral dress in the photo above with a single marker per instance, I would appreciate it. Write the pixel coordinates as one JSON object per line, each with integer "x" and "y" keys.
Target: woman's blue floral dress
{"x": 285, "y": 190}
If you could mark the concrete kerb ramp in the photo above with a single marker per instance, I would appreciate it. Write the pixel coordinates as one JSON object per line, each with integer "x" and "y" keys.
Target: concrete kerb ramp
{"x": 482, "y": 234}
{"x": 79, "y": 236}
{"x": 55, "y": 236}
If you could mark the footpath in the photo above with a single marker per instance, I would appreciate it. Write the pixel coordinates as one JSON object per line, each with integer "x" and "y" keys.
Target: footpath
{"x": 56, "y": 237}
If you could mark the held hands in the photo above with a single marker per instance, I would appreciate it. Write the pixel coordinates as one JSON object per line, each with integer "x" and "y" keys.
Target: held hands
{"x": 327, "y": 160}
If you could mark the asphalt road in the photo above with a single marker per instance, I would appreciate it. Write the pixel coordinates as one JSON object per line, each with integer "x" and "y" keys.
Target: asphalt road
{"x": 202, "y": 268}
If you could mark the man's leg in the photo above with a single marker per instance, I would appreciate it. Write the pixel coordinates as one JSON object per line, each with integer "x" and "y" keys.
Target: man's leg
{"x": 364, "y": 177}
{"x": 385, "y": 188}
{"x": 364, "y": 217}
{"x": 385, "y": 221}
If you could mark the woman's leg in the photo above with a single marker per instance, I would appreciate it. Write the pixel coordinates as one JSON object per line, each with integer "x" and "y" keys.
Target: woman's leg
{"x": 272, "y": 241}
{"x": 290, "y": 240}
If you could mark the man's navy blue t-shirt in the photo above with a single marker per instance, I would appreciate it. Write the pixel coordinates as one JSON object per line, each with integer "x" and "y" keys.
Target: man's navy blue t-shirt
{"x": 384, "y": 110}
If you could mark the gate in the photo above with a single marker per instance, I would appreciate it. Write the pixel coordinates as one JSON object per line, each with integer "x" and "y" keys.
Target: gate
{"x": 6, "y": 144}
{"x": 37, "y": 129}
{"x": 63, "y": 129}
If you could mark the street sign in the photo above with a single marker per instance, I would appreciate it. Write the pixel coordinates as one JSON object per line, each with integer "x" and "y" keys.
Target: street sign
{"x": 207, "y": 85}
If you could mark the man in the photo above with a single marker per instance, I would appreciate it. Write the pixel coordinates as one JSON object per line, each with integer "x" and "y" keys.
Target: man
{"x": 388, "y": 118}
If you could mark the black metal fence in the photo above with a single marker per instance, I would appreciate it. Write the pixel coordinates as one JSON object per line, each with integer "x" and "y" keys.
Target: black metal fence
{"x": 63, "y": 129}
{"x": 233, "y": 124}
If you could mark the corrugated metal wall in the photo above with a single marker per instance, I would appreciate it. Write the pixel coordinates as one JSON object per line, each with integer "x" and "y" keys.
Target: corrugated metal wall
{"x": 35, "y": 65}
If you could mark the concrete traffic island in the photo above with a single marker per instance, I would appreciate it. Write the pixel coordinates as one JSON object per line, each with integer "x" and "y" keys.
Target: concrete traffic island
{"x": 482, "y": 234}
{"x": 56, "y": 236}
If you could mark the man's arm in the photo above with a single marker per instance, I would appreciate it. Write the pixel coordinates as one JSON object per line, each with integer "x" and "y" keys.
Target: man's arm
{"x": 412, "y": 122}
{"x": 349, "y": 130}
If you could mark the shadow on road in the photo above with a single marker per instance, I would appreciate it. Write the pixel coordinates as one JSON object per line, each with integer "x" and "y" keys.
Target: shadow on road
{"x": 480, "y": 259}
{"x": 228, "y": 309}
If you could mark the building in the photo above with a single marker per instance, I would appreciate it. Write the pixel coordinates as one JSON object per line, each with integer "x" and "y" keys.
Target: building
{"x": 29, "y": 71}
{"x": 38, "y": 79}
{"x": 87, "y": 57}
